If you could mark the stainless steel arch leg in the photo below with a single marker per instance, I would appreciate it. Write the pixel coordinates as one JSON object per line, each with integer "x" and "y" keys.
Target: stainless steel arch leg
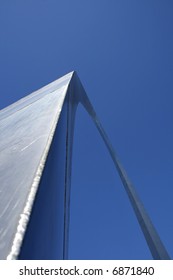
{"x": 155, "y": 245}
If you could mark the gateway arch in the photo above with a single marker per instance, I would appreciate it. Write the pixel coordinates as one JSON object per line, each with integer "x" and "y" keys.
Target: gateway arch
{"x": 35, "y": 173}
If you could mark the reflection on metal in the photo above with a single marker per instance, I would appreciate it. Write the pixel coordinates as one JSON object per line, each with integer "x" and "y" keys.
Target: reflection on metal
{"x": 36, "y": 131}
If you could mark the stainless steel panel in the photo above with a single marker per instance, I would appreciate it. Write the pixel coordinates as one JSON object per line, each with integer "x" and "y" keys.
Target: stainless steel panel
{"x": 44, "y": 237}
{"x": 26, "y": 133}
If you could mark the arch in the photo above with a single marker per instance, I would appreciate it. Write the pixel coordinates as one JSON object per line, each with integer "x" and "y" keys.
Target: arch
{"x": 29, "y": 129}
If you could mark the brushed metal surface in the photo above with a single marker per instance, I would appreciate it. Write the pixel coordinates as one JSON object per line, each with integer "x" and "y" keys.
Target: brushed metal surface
{"x": 26, "y": 130}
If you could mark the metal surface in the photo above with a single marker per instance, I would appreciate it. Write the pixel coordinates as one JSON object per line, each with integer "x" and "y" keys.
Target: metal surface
{"x": 27, "y": 129}
{"x": 44, "y": 237}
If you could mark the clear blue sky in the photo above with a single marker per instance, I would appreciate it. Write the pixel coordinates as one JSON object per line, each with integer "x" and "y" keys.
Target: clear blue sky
{"x": 123, "y": 53}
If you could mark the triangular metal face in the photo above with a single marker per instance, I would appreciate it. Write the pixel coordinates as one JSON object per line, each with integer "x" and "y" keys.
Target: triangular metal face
{"x": 26, "y": 128}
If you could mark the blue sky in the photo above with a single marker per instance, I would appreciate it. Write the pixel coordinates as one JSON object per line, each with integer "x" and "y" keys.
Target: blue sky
{"x": 123, "y": 54}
